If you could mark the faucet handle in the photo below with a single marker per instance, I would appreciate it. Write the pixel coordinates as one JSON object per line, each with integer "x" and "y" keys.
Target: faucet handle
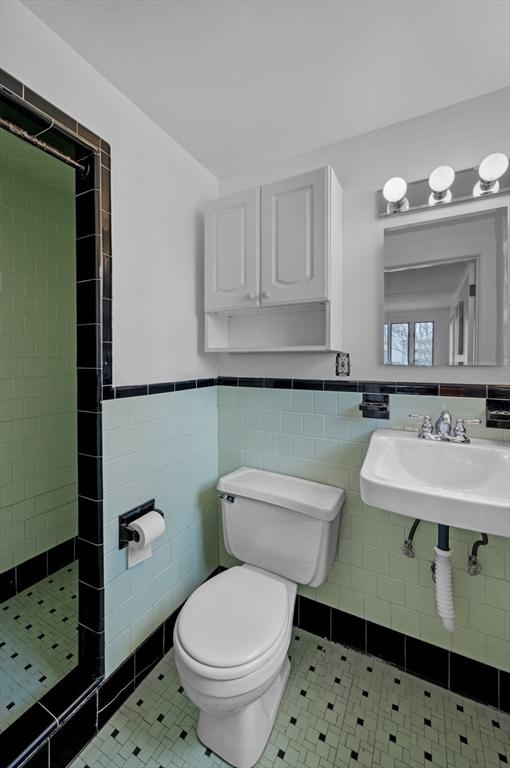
{"x": 426, "y": 427}
{"x": 460, "y": 428}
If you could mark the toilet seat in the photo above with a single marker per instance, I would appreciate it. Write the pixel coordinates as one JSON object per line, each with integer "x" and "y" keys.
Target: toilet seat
{"x": 234, "y": 624}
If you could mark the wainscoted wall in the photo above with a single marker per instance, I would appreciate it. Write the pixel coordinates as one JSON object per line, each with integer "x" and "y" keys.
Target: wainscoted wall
{"x": 162, "y": 446}
{"x": 38, "y": 472}
{"x": 321, "y": 436}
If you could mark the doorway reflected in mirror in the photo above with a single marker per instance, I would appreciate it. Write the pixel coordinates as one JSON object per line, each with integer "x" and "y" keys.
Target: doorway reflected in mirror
{"x": 446, "y": 292}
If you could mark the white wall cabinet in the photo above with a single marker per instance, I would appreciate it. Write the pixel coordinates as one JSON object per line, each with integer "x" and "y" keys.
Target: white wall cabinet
{"x": 294, "y": 253}
{"x": 232, "y": 255}
{"x": 273, "y": 267}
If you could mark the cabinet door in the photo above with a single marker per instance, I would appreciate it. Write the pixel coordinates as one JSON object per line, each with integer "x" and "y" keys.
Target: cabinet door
{"x": 294, "y": 239}
{"x": 232, "y": 252}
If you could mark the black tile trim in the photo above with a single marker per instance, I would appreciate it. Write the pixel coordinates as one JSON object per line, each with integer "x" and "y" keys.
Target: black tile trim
{"x": 463, "y": 390}
{"x": 25, "y": 735}
{"x": 188, "y": 384}
{"x": 327, "y": 385}
{"x": 134, "y": 391}
{"x": 24, "y": 575}
{"x": 140, "y": 390}
{"x": 61, "y": 700}
{"x": 371, "y": 387}
{"x": 498, "y": 391}
{"x": 158, "y": 389}
{"x": 459, "y": 674}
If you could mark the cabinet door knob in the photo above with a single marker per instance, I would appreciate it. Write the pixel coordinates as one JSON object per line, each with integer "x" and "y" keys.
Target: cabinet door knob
{"x": 265, "y": 294}
{"x": 250, "y": 296}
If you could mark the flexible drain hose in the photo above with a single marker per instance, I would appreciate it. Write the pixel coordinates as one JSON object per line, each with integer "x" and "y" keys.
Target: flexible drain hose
{"x": 444, "y": 590}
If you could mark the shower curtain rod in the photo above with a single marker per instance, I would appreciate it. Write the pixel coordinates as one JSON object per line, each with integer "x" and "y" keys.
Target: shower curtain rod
{"x": 17, "y": 131}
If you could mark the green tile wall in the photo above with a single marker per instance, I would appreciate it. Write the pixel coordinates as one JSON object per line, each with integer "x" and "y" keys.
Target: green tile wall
{"x": 321, "y": 436}
{"x": 38, "y": 507}
{"x": 164, "y": 447}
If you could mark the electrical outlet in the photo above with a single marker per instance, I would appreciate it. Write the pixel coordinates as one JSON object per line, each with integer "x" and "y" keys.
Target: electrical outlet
{"x": 343, "y": 364}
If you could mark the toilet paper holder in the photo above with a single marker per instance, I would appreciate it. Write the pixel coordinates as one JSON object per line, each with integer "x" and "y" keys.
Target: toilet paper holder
{"x": 126, "y": 534}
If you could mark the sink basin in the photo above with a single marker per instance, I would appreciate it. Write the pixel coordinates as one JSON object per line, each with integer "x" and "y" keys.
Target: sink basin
{"x": 461, "y": 485}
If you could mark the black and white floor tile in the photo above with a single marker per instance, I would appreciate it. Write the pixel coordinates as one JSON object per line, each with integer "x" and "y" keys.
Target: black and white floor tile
{"x": 38, "y": 641}
{"x": 341, "y": 709}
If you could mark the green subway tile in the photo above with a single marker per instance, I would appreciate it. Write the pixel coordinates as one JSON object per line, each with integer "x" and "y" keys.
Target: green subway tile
{"x": 377, "y": 610}
{"x": 271, "y": 421}
{"x": 302, "y": 401}
{"x": 292, "y": 423}
{"x": 325, "y": 402}
{"x": 375, "y": 559}
{"x": 303, "y": 447}
{"x": 485, "y": 619}
{"x": 281, "y": 399}
{"x": 252, "y": 418}
{"x": 261, "y": 398}
{"x": 363, "y": 581}
{"x": 390, "y": 589}
{"x": 337, "y": 428}
{"x": 313, "y": 425}
{"x": 405, "y": 620}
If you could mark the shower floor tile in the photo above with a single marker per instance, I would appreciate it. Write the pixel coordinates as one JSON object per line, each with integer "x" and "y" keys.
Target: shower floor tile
{"x": 38, "y": 641}
{"x": 341, "y": 709}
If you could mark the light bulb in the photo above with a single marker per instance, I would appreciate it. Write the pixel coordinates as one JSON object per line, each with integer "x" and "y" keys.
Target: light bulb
{"x": 490, "y": 170}
{"x": 493, "y": 166}
{"x": 394, "y": 189}
{"x": 394, "y": 192}
{"x": 440, "y": 181}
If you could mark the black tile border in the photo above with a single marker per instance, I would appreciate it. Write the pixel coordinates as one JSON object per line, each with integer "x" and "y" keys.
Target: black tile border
{"x": 93, "y": 274}
{"x": 458, "y": 674}
{"x": 24, "y": 575}
{"x": 162, "y": 387}
{"x": 317, "y": 385}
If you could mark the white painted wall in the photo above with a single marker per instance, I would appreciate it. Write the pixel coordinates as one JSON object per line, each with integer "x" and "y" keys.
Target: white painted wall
{"x": 158, "y": 191}
{"x": 460, "y": 135}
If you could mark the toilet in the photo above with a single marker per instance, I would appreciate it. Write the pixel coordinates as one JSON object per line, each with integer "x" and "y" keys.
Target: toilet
{"x": 232, "y": 635}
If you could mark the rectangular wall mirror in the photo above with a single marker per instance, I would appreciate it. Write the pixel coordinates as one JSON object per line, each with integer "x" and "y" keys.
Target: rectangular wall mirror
{"x": 446, "y": 291}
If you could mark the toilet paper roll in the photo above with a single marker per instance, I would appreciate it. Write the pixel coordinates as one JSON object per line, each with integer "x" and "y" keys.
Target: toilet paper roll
{"x": 149, "y": 527}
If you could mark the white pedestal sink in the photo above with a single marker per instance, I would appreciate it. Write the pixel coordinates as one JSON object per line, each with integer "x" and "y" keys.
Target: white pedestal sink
{"x": 463, "y": 485}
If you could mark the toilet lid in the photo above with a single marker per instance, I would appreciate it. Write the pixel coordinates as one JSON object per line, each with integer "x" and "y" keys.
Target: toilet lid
{"x": 233, "y": 618}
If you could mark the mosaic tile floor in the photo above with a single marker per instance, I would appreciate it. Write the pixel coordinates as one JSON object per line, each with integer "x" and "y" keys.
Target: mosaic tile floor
{"x": 38, "y": 641}
{"x": 341, "y": 709}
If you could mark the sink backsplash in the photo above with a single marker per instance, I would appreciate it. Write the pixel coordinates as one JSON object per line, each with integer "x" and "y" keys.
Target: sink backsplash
{"x": 321, "y": 435}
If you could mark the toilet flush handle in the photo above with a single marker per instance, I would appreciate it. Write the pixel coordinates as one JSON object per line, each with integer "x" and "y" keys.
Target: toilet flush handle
{"x": 227, "y": 497}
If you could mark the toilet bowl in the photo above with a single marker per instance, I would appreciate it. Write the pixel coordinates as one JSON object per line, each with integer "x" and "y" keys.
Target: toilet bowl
{"x": 232, "y": 635}
{"x": 230, "y": 644}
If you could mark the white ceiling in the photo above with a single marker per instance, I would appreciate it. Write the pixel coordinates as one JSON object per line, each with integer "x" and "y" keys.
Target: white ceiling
{"x": 243, "y": 82}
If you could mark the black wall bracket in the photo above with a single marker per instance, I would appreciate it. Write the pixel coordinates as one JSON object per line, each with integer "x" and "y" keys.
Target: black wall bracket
{"x": 497, "y": 413}
{"x": 375, "y": 406}
{"x": 126, "y": 534}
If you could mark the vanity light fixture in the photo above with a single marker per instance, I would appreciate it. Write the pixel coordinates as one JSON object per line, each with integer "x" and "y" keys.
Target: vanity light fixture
{"x": 440, "y": 181}
{"x": 445, "y": 186}
{"x": 490, "y": 170}
{"x": 394, "y": 192}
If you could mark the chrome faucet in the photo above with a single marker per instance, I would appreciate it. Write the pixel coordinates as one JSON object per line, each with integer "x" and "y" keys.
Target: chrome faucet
{"x": 442, "y": 431}
{"x": 443, "y": 426}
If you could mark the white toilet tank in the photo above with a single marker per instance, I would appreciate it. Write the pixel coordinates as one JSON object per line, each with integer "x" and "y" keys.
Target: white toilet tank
{"x": 285, "y": 525}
